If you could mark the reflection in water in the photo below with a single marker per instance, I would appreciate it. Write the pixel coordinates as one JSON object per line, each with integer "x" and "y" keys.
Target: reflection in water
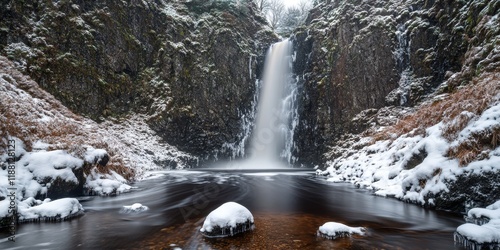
{"x": 288, "y": 209}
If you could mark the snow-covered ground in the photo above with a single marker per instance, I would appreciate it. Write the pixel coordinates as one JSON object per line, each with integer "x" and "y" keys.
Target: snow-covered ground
{"x": 58, "y": 152}
{"x": 416, "y": 166}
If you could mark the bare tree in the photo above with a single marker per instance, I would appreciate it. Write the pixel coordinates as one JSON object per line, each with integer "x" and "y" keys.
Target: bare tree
{"x": 262, "y": 5}
{"x": 275, "y": 13}
{"x": 304, "y": 7}
{"x": 291, "y": 20}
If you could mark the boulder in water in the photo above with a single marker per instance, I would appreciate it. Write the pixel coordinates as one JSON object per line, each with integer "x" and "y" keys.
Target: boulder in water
{"x": 333, "y": 230}
{"x": 482, "y": 230}
{"x": 135, "y": 208}
{"x": 227, "y": 220}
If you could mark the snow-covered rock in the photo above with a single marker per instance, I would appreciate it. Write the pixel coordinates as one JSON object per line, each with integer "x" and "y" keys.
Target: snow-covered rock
{"x": 43, "y": 173}
{"x": 99, "y": 156}
{"x": 51, "y": 164}
{"x": 134, "y": 208}
{"x": 483, "y": 229}
{"x": 333, "y": 230}
{"x": 57, "y": 210}
{"x": 227, "y": 220}
{"x": 106, "y": 184}
{"x": 486, "y": 234}
{"x": 482, "y": 216}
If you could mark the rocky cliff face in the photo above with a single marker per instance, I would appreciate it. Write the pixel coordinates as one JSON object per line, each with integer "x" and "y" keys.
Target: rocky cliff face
{"x": 189, "y": 65}
{"x": 358, "y": 57}
{"x": 404, "y": 97}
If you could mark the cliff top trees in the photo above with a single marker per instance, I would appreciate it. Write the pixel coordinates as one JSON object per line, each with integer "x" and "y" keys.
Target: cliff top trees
{"x": 284, "y": 18}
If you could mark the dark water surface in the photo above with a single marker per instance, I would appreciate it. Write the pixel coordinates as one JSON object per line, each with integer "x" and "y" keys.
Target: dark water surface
{"x": 288, "y": 209}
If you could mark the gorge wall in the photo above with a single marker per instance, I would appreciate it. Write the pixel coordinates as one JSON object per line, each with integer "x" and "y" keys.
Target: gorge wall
{"x": 191, "y": 66}
{"x": 355, "y": 58}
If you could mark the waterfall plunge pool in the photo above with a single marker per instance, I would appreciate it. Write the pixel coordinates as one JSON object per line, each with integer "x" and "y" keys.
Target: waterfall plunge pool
{"x": 288, "y": 208}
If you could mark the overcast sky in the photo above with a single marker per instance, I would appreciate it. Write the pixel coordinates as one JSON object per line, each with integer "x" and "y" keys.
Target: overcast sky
{"x": 292, "y": 2}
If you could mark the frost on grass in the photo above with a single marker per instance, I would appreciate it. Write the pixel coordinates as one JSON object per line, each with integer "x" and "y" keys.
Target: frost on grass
{"x": 227, "y": 220}
{"x": 483, "y": 229}
{"x": 134, "y": 208}
{"x": 333, "y": 230}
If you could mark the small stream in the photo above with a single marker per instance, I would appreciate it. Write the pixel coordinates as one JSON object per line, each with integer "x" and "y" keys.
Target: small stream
{"x": 288, "y": 208}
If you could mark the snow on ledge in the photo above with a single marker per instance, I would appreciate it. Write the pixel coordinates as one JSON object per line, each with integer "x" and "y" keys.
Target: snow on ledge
{"x": 57, "y": 210}
{"x": 333, "y": 230}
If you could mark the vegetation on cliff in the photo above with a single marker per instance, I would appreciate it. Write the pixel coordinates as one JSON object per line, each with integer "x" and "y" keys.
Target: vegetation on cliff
{"x": 406, "y": 84}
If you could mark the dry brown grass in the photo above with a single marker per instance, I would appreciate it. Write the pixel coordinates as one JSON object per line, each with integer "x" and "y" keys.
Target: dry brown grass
{"x": 455, "y": 111}
{"x": 475, "y": 147}
{"x": 473, "y": 98}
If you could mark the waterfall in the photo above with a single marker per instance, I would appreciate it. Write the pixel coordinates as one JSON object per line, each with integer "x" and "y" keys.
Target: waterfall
{"x": 402, "y": 55}
{"x": 270, "y": 128}
{"x": 272, "y": 137}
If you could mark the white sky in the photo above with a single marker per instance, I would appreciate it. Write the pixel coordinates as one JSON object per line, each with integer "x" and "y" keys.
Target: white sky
{"x": 289, "y": 3}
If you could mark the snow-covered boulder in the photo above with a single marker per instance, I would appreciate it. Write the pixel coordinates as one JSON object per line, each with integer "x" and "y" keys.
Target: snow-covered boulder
{"x": 333, "y": 230}
{"x": 482, "y": 216}
{"x": 105, "y": 184}
{"x": 483, "y": 229}
{"x": 227, "y": 220}
{"x": 99, "y": 156}
{"x": 135, "y": 208}
{"x": 46, "y": 173}
{"x": 473, "y": 236}
{"x": 57, "y": 210}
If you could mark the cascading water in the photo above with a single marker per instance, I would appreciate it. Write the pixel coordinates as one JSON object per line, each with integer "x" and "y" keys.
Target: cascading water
{"x": 277, "y": 116}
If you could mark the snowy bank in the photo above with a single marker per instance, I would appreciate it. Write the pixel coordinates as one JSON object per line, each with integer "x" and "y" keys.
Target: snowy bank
{"x": 227, "y": 220}
{"x": 60, "y": 154}
{"x": 332, "y": 230}
{"x": 432, "y": 168}
{"x": 54, "y": 174}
